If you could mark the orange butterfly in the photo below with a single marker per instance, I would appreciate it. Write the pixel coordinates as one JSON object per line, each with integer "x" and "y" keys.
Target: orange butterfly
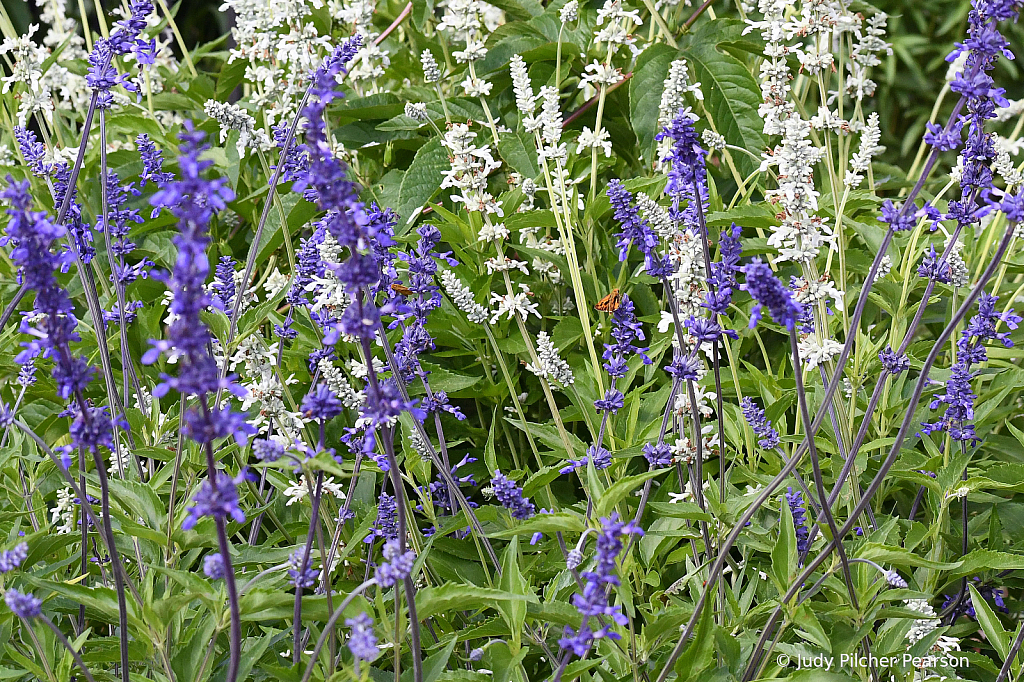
{"x": 610, "y": 303}
{"x": 401, "y": 288}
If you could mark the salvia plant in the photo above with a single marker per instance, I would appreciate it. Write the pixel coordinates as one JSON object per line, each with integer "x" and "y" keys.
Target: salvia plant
{"x": 517, "y": 341}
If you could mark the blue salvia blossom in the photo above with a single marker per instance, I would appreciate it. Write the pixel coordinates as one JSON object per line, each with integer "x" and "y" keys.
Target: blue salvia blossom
{"x": 52, "y": 326}
{"x": 658, "y": 455}
{"x": 33, "y": 151}
{"x": 23, "y": 605}
{"x": 217, "y": 498}
{"x": 194, "y": 199}
{"x": 754, "y": 414}
{"x": 636, "y": 231}
{"x": 769, "y": 292}
{"x": 795, "y": 500}
{"x": 988, "y": 592}
{"x": 213, "y": 566}
{"x": 119, "y": 219}
{"x": 593, "y": 600}
{"x": 959, "y": 396}
{"x": 397, "y": 565}
{"x": 386, "y": 524}
{"x": 424, "y": 296}
{"x": 152, "y": 162}
{"x": 11, "y": 559}
{"x": 59, "y": 173}
{"x": 511, "y": 497}
{"x": 223, "y": 286}
{"x": 981, "y": 50}
{"x": 126, "y": 37}
{"x": 626, "y": 330}
{"x": 322, "y": 404}
{"x": 894, "y": 363}
{"x": 722, "y": 282}
{"x": 300, "y": 572}
{"x": 687, "y": 177}
{"x": 362, "y": 642}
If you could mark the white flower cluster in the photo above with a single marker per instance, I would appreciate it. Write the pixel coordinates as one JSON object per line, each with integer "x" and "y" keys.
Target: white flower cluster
{"x": 265, "y": 392}
{"x": 677, "y": 86}
{"x": 551, "y": 366}
{"x": 463, "y": 299}
{"x": 281, "y": 47}
{"x": 869, "y": 148}
{"x": 528, "y": 236}
{"x": 466, "y": 21}
{"x": 233, "y": 117}
{"x": 469, "y": 170}
{"x": 338, "y": 382}
{"x": 512, "y": 305}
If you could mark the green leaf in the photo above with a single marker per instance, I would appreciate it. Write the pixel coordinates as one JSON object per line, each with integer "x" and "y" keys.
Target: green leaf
{"x": 513, "y": 582}
{"x": 519, "y": 151}
{"x": 421, "y": 181}
{"x": 884, "y": 554}
{"x": 994, "y": 631}
{"x": 434, "y": 665}
{"x": 565, "y": 521}
{"x": 731, "y": 97}
{"x": 458, "y": 597}
{"x": 618, "y": 491}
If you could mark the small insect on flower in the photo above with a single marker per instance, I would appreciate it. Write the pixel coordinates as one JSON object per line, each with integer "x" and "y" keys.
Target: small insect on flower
{"x": 401, "y": 288}
{"x": 610, "y": 303}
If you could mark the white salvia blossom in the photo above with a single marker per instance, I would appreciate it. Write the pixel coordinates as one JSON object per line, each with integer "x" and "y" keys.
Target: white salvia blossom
{"x": 234, "y": 117}
{"x": 463, "y": 299}
{"x": 528, "y": 237}
{"x": 826, "y": 119}
{"x": 369, "y": 62}
{"x": 589, "y": 139}
{"x": 416, "y": 110}
{"x": 550, "y": 125}
{"x": 704, "y": 398}
{"x": 817, "y": 291}
{"x": 337, "y": 382}
{"x": 505, "y": 264}
{"x": 6, "y": 156}
{"x": 357, "y": 368}
{"x": 119, "y": 458}
{"x": 1003, "y": 166}
{"x": 959, "y": 273}
{"x": 64, "y": 513}
{"x": 657, "y": 217}
{"x": 869, "y": 148}
{"x": 298, "y": 490}
{"x": 552, "y": 367}
{"x": 599, "y": 74}
{"x": 569, "y": 11}
{"x": 511, "y": 305}
{"x": 469, "y": 170}
{"x": 526, "y": 101}
{"x": 864, "y": 56}
{"x": 884, "y": 267}
{"x": 1014, "y": 108}
{"x": 275, "y": 283}
{"x": 800, "y": 236}
{"x": 476, "y": 87}
{"x": 491, "y": 231}
{"x": 431, "y": 72}
{"x": 814, "y": 353}
{"x": 712, "y": 139}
